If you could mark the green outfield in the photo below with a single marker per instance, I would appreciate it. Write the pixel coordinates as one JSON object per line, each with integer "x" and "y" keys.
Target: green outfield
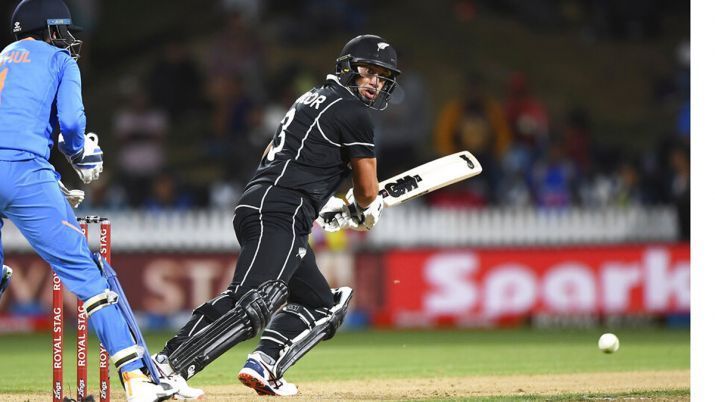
{"x": 499, "y": 364}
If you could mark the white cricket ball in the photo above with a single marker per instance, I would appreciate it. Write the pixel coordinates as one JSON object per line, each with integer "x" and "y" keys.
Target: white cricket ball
{"x": 608, "y": 343}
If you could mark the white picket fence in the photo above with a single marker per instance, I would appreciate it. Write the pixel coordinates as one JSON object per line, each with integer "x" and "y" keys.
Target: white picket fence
{"x": 406, "y": 226}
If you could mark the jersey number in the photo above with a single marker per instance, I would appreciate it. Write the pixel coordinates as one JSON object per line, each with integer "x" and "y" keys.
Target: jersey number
{"x": 3, "y": 75}
{"x": 282, "y": 135}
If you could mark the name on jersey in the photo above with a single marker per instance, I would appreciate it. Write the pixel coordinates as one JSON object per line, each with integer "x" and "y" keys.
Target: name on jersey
{"x": 15, "y": 56}
{"x": 312, "y": 99}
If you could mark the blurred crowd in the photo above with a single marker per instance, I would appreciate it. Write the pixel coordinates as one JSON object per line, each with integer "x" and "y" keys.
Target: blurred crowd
{"x": 189, "y": 128}
{"x": 529, "y": 158}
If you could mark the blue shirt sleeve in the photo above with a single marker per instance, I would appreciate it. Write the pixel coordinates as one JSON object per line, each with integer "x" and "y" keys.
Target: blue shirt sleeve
{"x": 70, "y": 109}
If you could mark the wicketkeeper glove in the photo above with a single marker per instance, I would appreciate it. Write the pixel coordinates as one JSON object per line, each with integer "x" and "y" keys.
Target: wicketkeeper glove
{"x": 74, "y": 197}
{"x": 5, "y": 275}
{"x": 88, "y": 161}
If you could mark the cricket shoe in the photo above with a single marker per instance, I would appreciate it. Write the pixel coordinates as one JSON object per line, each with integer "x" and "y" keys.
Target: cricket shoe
{"x": 183, "y": 390}
{"x": 257, "y": 374}
{"x": 140, "y": 388}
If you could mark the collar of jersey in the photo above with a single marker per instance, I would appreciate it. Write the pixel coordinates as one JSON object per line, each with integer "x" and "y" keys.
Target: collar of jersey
{"x": 331, "y": 77}
{"x": 33, "y": 40}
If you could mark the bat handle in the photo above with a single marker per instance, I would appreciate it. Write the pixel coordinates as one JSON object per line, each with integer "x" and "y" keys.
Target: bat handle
{"x": 329, "y": 216}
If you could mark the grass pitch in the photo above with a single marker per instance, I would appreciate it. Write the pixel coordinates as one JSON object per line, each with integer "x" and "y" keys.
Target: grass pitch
{"x": 652, "y": 364}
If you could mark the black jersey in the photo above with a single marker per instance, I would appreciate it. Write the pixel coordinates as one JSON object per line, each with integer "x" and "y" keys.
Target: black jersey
{"x": 314, "y": 142}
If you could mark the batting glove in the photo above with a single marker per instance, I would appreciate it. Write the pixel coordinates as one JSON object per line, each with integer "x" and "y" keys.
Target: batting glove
{"x": 87, "y": 162}
{"x": 363, "y": 219}
{"x": 334, "y": 215}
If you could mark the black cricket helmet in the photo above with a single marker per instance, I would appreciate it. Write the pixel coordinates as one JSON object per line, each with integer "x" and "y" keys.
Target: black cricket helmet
{"x": 50, "y": 17}
{"x": 368, "y": 50}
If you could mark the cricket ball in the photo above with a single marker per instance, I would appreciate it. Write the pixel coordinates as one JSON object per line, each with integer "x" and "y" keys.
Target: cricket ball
{"x": 608, "y": 343}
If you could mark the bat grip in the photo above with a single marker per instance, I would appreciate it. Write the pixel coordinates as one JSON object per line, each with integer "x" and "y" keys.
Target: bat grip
{"x": 329, "y": 216}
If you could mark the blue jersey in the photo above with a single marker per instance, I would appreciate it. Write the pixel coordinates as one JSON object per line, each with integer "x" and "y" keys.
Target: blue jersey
{"x": 40, "y": 89}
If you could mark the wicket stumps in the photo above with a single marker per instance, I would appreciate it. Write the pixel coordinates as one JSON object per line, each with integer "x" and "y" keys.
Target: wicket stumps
{"x": 105, "y": 249}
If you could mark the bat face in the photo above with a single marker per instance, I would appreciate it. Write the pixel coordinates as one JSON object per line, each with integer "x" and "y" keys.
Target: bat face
{"x": 429, "y": 177}
{"x": 423, "y": 179}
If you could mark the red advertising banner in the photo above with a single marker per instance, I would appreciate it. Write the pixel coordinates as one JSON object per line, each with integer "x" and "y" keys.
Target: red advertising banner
{"x": 425, "y": 287}
{"x": 482, "y": 287}
{"x": 155, "y": 283}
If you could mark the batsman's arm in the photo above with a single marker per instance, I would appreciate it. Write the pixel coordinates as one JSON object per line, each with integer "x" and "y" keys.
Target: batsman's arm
{"x": 364, "y": 180}
{"x": 363, "y": 193}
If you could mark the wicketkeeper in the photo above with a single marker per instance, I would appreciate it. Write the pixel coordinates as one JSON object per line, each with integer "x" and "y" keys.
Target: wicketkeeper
{"x": 277, "y": 289}
{"x": 40, "y": 92}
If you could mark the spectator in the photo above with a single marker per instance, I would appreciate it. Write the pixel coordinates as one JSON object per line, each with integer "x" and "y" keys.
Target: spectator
{"x": 577, "y": 140}
{"x": 166, "y": 194}
{"x": 527, "y": 119}
{"x": 235, "y": 89}
{"x": 474, "y": 122}
{"x": 141, "y": 131}
{"x": 472, "y": 108}
{"x": 175, "y": 81}
{"x": 237, "y": 52}
{"x": 224, "y": 194}
{"x": 658, "y": 169}
{"x": 680, "y": 188}
{"x": 553, "y": 179}
{"x": 627, "y": 189}
{"x": 682, "y": 82}
{"x": 234, "y": 115}
{"x": 513, "y": 186}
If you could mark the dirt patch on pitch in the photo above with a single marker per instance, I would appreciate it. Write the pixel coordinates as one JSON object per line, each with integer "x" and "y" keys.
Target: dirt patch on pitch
{"x": 475, "y": 387}
{"x": 455, "y": 387}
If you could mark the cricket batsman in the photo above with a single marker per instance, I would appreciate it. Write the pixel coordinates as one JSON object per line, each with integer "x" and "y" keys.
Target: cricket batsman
{"x": 277, "y": 289}
{"x": 40, "y": 91}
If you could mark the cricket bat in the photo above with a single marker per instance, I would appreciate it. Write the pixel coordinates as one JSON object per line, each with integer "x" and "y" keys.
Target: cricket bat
{"x": 424, "y": 179}
{"x": 429, "y": 177}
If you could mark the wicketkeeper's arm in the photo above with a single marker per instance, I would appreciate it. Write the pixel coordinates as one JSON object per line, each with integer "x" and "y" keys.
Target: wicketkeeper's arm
{"x": 70, "y": 109}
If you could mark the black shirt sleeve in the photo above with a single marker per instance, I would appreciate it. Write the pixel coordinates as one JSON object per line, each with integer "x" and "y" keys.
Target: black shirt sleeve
{"x": 356, "y": 130}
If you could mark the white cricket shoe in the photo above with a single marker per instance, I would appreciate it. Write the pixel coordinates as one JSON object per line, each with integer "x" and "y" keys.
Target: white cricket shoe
{"x": 257, "y": 374}
{"x": 140, "y": 388}
{"x": 183, "y": 390}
